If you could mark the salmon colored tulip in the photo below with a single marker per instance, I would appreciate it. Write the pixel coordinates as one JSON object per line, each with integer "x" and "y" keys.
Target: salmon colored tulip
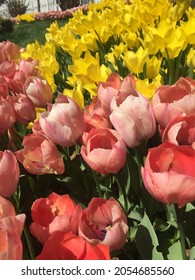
{"x": 40, "y": 155}
{"x": 170, "y": 101}
{"x": 105, "y": 222}
{"x": 168, "y": 173}
{"x": 68, "y": 246}
{"x": 63, "y": 123}
{"x": 4, "y": 90}
{"x": 11, "y": 226}
{"x": 8, "y": 51}
{"x": 133, "y": 117}
{"x": 180, "y": 130}
{"x": 107, "y": 90}
{"x": 95, "y": 117}
{"x": 54, "y": 213}
{"x": 39, "y": 91}
{"x": 9, "y": 173}
{"x": 104, "y": 150}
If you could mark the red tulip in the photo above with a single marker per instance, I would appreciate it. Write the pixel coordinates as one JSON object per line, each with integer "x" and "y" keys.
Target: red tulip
{"x": 68, "y": 246}
{"x": 104, "y": 150}
{"x": 105, "y": 222}
{"x": 11, "y": 226}
{"x": 40, "y": 155}
{"x": 168, "y": 173}
{"x": 54, "y": 213}
{"x": 9, "y": 173}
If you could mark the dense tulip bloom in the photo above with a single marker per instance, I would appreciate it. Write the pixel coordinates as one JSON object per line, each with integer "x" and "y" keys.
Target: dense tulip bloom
{"x": 68, "y": 246}
{"x": 11, "y": 226}
{"x": 105, "y": 222}
{"x": 23, "y": 107}
{"x": 172, "y": 100}
{"x": 104, "y": 150}
{"x": 54, "y": 213}
{"x": 7, "y": 115}
{"x": 168, "y": 173}
{"x": 181, "y": 130}
{"x": 8, "y": 51}
{"x": 63, "y": 123}
{"x": 132, "y": 116}
{"x": 39, "y": 91}
{"x": 40, "y": 155}
{"x": 9, "y": 173}
{"x": 95, "y": 117}
{"x": 107, "y": 90}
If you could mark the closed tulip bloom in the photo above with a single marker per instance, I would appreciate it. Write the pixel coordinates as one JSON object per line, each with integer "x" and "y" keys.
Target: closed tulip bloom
{"x": 180, "y": 130}
{"x": 54, "y": 213}
{"x": 39, "y": 91}
{"x": 168, "y": 173}
{"x": 68, "y": 246}
{"x": 23, "y": 107}
{"x": 4, "y": 90}
{"x": 132, "y": 116}
{"x": 63, "y": 123}
{"x": 11, "y": 226}
{"x": 172, "y": 100}
{"x": 9, "y": 173}
{"x": 8, "y": 51}
{"x": 105, "y": 222}
{"x": 40, "y": 155}
{"x": 104, "y": 150}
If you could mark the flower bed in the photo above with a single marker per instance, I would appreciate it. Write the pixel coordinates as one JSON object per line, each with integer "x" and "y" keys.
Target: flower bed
{"x": 97, "y": 136}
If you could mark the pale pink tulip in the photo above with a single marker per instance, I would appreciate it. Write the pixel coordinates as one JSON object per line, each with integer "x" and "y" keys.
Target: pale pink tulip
{"x": 104, "y": 150}
{"x": 29, "y": 67}
{"x": 54, "y": 213}
{"x": 63, "y": 123}
{"x": 40, "y": 155}
{"x": 105, "y": 222}
{"x": 9, "y": 173}
{"x": 39, "y": 91}
{"x": 132, "y": 116}
{"x": 8, "y": 51}
{"x": 11, "y": 226}
{"x": 168, "y": 173}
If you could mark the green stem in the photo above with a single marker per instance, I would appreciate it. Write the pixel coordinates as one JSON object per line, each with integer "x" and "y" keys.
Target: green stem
{"x": 121, "y": 189}
{"x": 29, "y": 242}
{"x": 95, "y": 176}
{"x": 174, "y": 211}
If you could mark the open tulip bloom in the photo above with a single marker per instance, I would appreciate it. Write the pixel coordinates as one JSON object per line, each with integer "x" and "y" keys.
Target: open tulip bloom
{"x": 97, "y": 136}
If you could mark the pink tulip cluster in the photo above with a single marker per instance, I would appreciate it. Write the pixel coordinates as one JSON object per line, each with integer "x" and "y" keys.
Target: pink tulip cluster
{"x": 69, "y": 232}
{"x": 168, "y": 173}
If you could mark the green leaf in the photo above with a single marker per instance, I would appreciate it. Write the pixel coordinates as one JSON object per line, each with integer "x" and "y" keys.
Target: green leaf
{"x": 175, "y": 252}
{"x": 147, "y": 241}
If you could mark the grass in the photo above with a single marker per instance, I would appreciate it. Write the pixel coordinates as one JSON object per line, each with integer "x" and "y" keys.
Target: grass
{"x": 25, "y": 33}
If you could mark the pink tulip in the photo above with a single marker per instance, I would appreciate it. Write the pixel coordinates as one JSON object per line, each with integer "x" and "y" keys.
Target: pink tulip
{"x": 105, "y": 222}
{"x": 39, "y": 91}
{"x": 168, "y": 173}
{"x": 11, "y": 226}
{"x": 7, "y": 116}
{"x": 180, "y": 130}
{"x": 104, "y": 150}
{"x": 8, "y": 51}
{"x": 40, "y": 155}
{"x": 16, "y": 83}
{"x": 95, "y": 117}
{"x": 170, "y": 101}
{"x": 23, "y": 107}
{"x": 8, "y": 69}
{"x": 9, "y": 173}
{"x": 63, "y": 123}
{"x": 29, "y": 67}
{"x": 132, "y": 116}
{"x": 4, "y": 90}
{"x": 107, "y": 90}
{"x": 54, "y": 213}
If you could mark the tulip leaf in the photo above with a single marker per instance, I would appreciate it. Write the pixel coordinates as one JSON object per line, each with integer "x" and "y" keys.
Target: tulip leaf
{"x": 175, "y": 252}
{"x": 147, "y": 241}
{"x": 192, "y": 253}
